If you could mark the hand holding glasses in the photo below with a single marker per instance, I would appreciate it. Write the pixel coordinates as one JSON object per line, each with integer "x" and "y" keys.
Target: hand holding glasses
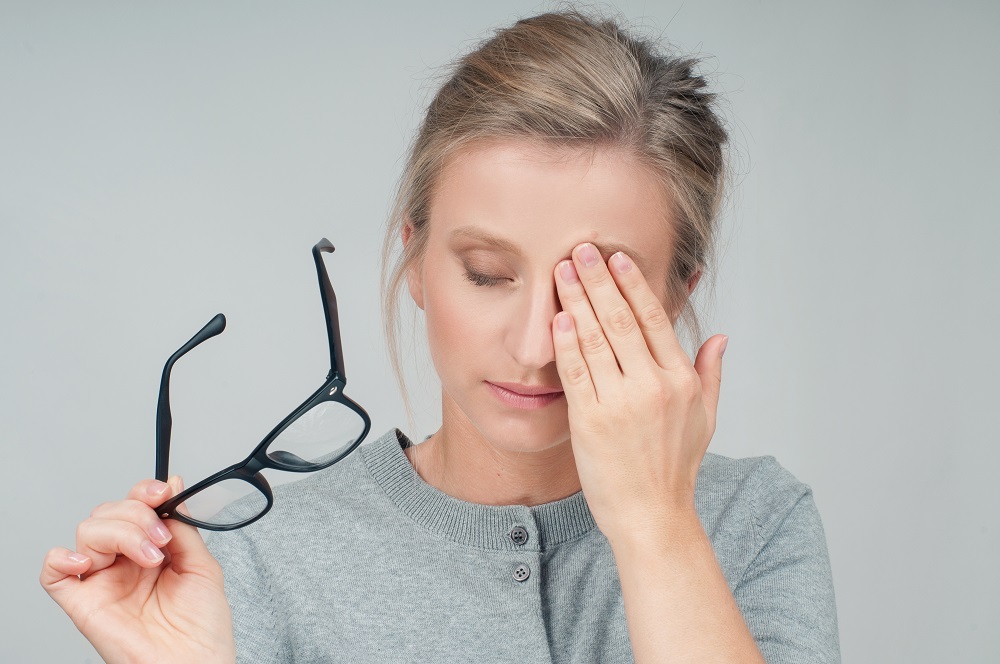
{"x": 323, "y": 430}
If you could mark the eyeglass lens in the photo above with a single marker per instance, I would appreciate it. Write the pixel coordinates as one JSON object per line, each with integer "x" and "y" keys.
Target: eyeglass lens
{"x": 321, "y": 434}
{"x": 226, "y": 503}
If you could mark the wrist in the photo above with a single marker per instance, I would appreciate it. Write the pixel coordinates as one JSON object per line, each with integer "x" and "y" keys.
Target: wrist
{"x": 659, "y": 535}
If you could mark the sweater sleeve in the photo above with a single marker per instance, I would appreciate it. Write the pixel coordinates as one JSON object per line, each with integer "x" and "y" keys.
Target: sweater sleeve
{"x": 786, "y": 594}
{"x": 260, "y": 636}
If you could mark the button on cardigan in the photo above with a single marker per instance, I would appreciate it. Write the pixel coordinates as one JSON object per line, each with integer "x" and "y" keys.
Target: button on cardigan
{"x": 366, "y": 562}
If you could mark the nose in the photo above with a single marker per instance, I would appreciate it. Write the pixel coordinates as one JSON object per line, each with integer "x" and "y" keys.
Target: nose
{"x": 529, "y": 332}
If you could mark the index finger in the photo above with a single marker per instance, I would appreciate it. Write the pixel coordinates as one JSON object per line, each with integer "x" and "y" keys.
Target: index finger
{"x": 653, "y": 319}
{"x": 150, "y": 492}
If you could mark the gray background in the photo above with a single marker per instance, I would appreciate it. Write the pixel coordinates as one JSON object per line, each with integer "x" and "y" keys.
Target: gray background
{"x": 161, "y": 162}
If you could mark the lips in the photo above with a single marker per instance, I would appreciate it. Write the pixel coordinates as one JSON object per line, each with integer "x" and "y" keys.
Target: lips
{"x": 521, "y": 401}
{"x": 528, "y": 390}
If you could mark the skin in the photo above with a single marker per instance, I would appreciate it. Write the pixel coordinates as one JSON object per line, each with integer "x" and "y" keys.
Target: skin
{"x": 630, "y": 430}
{"x": 636, "y": 416}
{"x": 131, "y": 585}
{"x": 546, "y": 203}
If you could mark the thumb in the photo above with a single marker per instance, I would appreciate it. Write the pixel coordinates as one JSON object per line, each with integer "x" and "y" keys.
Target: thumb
{"x": 708, "y": 364}
{"x": 61, "y": 575}
{"x": 186, "y": 547}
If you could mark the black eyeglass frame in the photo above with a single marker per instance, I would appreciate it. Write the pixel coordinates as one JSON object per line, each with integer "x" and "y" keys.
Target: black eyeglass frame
{"x": 249, "y": 469}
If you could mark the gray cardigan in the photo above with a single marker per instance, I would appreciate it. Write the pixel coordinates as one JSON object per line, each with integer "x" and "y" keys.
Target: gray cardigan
{"x": 366, "y": 562}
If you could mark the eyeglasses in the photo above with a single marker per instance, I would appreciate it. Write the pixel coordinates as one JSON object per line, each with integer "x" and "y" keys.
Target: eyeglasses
{"x": 323, "y": 430}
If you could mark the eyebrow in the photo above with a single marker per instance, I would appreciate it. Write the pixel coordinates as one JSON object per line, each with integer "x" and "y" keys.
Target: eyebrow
{"x": 502, "y": 244}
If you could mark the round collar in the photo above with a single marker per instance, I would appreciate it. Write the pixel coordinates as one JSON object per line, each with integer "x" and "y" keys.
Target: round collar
{"x": 472, "y": 524}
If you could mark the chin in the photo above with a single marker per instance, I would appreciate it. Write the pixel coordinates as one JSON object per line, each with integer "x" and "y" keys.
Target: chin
{"x": 523, "y": 435}
{"x": 507, "y": 429}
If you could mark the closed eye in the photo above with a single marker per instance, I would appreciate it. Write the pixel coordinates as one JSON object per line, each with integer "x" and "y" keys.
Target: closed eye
{"x": 482, "y": 279}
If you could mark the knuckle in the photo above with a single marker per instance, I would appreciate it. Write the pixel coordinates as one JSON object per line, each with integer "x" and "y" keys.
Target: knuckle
{"x": 129, "y": 509}
{"x": 576, "y": 375}
{"x": 621, "y": 321}
{"x": 576, "y": 296}
{"x": 129, "y": 539}
{"x": 657, "y": 391}
{"x": 100, "y": 509}
{"x": 82, "y": 529}
{"x": 592, "y": 341}
{"x": 687, "y": 385}
{"x": 136, "y": 510}
{"x": 654, "y": 317}
{"x": 601, "y": 278}
{"x": 137, "y": 538}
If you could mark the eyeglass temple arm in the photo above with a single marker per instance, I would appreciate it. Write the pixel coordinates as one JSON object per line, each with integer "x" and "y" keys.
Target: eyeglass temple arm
{"x": 163, "y": 419}
{"x": 330, "y": 309}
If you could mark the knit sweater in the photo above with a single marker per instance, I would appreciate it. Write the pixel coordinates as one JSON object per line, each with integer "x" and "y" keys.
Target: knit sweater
{"x": 366, "y": 562}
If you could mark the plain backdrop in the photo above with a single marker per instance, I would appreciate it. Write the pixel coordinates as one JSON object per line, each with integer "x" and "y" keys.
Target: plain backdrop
{"x": 162, "y": 162}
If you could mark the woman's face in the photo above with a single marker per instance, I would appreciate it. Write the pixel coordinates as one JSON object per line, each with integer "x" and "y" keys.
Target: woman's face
{"x": 503, "y": 215}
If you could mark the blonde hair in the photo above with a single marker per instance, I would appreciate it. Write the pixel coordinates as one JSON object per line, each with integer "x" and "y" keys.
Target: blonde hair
{"x": 570, "y": 81}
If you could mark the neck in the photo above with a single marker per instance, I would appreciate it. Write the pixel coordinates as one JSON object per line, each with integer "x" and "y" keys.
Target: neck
{"x": 459, "y": 461}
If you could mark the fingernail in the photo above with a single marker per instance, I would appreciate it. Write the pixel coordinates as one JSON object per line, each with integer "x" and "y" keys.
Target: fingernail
{"x": 621, "y": 263}
{"x": 160, "y": 533}
{"x": 156, "y": 488}
{"x": 78, "y": 557}
{"x": 568, "y": 272}
{"x": 563, "y": 321}
{"x": 725, "y": 342}
{"x": 151, "y": 552}
{"x": 588, "y": 254}
{"x": 176, "y": 481}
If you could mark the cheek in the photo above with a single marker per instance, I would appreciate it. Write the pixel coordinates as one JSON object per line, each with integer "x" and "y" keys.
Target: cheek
{"x": 461, "y": 322}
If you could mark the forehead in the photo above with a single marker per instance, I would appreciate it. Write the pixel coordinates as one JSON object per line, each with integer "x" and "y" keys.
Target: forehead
{"x": 526, "y": 198}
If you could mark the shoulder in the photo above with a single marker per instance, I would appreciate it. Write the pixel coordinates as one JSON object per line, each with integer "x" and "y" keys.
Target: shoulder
{"x": 746, "y": 503}
{"x": 769, "y": 539}
{"x": 759, "y": 487}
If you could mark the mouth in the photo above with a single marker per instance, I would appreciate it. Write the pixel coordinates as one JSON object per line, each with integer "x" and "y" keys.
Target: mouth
{"x": 532, "y": 396}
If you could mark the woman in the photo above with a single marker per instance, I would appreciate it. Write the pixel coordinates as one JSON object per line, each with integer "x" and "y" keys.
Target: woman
{"x": 557, "y": 210}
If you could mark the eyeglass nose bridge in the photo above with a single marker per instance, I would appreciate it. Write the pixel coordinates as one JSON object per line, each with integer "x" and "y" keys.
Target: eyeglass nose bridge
{"x": 253, "y": 466}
